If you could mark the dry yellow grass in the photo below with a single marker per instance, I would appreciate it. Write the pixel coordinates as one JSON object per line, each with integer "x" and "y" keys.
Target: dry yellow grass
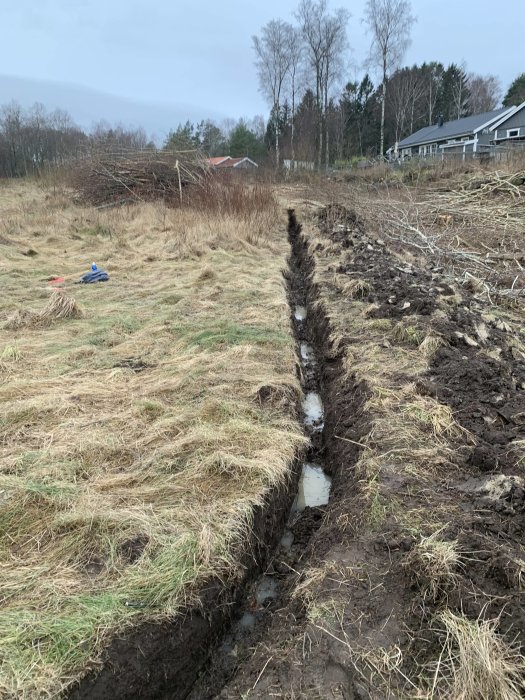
{"x": 433, "y": 564}
{"x": 135, "y": 439}
{"x": 476, "y": 662}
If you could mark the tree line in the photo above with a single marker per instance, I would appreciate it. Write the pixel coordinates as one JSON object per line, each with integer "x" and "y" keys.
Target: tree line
{"x": 318, "y": 116}
{"x": 34, "y": 139}
{"x": 245, "y": 137}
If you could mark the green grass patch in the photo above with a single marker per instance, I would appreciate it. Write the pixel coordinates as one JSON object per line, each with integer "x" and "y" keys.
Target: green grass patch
{"x": 223, "y": 333}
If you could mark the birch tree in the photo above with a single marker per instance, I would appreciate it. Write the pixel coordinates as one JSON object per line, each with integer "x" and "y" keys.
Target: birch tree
{"x": 335, "y": 44}
{"x": 273, "y": 65}
{"x": 311, "y": 17}
{"x": 389, "y": 23}
{"x": 296, "y": 49}
{"x": 325, "y": 42}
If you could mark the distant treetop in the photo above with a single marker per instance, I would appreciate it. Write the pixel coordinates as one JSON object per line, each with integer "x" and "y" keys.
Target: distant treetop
{"x": 516, "y": 92}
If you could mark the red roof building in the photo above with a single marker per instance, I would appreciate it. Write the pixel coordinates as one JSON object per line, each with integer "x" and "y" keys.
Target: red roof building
{"x": 215, "y": 162}
{"x": 229, "y": 162}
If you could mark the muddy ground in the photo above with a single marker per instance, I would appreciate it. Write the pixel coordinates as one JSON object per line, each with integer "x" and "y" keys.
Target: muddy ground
{"x": 357, "y": 616}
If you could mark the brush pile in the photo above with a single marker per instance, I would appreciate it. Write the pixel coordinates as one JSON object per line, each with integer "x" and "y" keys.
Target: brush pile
{"x": 104, "y": 179}
{"x": 59, "y": 306}
{"x": 496, "y": 198}
{"x": 496, "y": 183}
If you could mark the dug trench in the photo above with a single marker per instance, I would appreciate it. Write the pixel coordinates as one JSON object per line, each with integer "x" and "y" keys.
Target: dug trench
{"x": 411, "y": 584}
{"x": 197, "y": 654}
{"x": 367, "y": 596}
{"x": 273, "y": 592}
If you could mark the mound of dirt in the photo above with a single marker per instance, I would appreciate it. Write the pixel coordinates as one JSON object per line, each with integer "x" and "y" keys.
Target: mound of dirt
{"x": 486, "y": 394}
{"x": 338, "y": 222}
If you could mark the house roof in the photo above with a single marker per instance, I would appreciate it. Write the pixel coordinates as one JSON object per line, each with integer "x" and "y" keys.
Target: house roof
{"x": 512, "y": 112}
{"x": 235, "y": 162}
{"x": 458, "y": 127}
{"x": 217, "y": 160}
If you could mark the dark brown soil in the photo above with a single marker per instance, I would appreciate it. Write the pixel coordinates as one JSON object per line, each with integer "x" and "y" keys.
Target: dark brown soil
{"x": 487, "y": 395}
{"x": 383, "y": 606}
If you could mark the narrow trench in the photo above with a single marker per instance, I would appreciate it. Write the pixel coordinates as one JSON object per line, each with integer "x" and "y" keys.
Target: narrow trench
{"x": 269, "y": 591}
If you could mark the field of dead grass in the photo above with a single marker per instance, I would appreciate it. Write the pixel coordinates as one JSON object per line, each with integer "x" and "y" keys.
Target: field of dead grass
{"x": 133, "y": 442}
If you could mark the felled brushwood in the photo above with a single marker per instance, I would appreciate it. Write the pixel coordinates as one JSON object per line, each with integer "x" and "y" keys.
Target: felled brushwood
{"x": 115, "y": 178}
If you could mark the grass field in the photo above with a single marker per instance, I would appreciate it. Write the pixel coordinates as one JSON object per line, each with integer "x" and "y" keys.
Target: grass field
{"x": 134, "y": 443}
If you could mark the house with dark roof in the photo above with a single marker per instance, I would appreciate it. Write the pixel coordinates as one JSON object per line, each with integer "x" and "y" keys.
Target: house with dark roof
{"x": 510, "y": 128}
{"x": 476, "y": 134}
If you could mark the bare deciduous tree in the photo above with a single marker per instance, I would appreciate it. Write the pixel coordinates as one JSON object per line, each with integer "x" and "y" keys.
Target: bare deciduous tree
{"x": 433, "y": 73}
{"x": 485, "y": 93}
{"x": 296, "y": 48}
{"x": 335, "y": 44}
{"x": 389, "y": 22}
{"x": 460, "y": 91}
{"x": 406, "y": 90}
{"x": 311, "y": 16}
{"x": 325, "y": 42}
{"x": 273, "y": 65}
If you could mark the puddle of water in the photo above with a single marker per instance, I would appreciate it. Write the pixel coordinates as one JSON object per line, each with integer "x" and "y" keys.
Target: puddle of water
{"x": 314, "y": 488}
{"x": 307, "y": 353}
{"x": 300, "y": 313}
{"x": 313, "y": 410}
{"x": 247, "y": 621}
{"x": 287, "y": 539}
{"x": 266, "y": 588}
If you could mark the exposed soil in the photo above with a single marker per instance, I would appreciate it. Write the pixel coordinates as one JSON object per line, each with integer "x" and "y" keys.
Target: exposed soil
{"x": 378, "y": 603}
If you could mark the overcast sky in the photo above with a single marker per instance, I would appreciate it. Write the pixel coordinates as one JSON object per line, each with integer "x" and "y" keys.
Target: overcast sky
{"x": 196, "y": 58}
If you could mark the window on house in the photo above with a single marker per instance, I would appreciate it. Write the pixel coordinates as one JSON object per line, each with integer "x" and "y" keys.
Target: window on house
{"x": 512, "y": 132}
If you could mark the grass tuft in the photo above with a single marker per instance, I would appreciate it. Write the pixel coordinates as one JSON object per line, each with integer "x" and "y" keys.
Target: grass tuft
{"x": 476, "y": 662}
{"x": 59, "y": 306}
{"x": 433, "y": 565}
{"x": 357, "y": 289}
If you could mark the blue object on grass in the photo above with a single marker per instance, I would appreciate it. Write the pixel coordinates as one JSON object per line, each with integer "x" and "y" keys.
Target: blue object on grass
{"x": 94, "y": 276}
{"x": 93, "y": 266}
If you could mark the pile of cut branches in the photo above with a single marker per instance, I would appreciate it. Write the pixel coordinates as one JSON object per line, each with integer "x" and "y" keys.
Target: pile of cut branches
{"x": 498, "y": 199}
{"x": 104, "y": 179}
{"x": 432, "y": 224}
{"x": 494, "y": 183}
